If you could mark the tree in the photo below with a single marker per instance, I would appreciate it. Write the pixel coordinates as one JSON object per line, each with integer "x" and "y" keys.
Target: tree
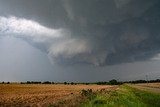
{"x": 113, "y": 82}
{"x": 65, "y": 83}
{"x": 46, "y": 82}
{"x": 28, "y": 82}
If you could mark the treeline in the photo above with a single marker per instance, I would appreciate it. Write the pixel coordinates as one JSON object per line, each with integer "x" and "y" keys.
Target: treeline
{"x": 48, "y": 82}
{"x": 111, "y": 82}
{"x": 37, "y": 82}
{"x": 5, "y": 82}
{"x": 115, "y": 82}
{"x": 143, "y": 81}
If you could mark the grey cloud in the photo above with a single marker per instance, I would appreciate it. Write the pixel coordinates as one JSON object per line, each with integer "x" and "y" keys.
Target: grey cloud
{"x": 58, "y": 41}
{"x": 100, "y": 32}
{"x": 121, "y": 3}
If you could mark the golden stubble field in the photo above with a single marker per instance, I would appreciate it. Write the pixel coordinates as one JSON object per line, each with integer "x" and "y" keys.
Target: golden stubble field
{"x": 153, "y": 87}
{"x": 37, "y": 95}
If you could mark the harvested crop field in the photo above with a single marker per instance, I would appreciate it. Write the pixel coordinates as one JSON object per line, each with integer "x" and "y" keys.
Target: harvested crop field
{"x": 153, "y": 87}
{"x": 41, "y": 94}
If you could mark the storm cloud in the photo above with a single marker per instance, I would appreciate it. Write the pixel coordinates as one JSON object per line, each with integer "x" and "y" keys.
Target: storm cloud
{"x": 98, "y": 32}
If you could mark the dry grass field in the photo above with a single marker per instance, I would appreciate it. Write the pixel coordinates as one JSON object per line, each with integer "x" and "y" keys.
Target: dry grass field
{"x": 153, "y": 87}
{"x": 41, "y": 95}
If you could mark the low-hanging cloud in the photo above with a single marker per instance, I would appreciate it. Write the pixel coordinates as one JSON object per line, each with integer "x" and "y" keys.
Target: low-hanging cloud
{"x": 24, "y": 28}
{"x": 59, "y": 42}
{"x": 102, "y": 32}
{"x": 27, "y": 28}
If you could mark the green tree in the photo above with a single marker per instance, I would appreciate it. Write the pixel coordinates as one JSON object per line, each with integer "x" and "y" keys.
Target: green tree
{"x": 113, "y": 82}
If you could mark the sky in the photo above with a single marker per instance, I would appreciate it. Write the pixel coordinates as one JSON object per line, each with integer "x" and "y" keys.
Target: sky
{"x": 79, "y": 40}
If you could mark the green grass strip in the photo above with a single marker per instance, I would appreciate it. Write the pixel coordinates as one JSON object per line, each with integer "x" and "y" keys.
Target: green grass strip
{"x": 125, "y": 96}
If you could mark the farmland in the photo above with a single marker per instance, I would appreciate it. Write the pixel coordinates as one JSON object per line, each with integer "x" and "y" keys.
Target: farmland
{"x": 59, "y": 95}
{"x": 152, "y": 87}
{"x": 128, "y": 95}
{"x": 41, "y": 94}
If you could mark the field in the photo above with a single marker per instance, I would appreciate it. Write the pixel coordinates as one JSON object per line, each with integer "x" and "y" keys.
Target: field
{"x": 126, "y": 96}
{"x": 59, "y": 95}
{"x": 41, "y": 94}
{"x": 152, "y": 87}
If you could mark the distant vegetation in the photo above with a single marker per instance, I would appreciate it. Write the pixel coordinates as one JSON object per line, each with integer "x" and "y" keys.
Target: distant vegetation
{"x": 37, "y": 82}
{"x": 115, "y": 82}
{"x": 111, "y": 82}
{"x": 143, "y": 81}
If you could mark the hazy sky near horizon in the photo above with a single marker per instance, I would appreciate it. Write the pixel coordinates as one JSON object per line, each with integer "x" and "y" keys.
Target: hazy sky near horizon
{"x": 79, "y": 40}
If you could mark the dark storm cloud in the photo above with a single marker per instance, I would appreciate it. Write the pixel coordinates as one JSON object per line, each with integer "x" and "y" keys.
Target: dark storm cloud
{"x": 99, "y": 32}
